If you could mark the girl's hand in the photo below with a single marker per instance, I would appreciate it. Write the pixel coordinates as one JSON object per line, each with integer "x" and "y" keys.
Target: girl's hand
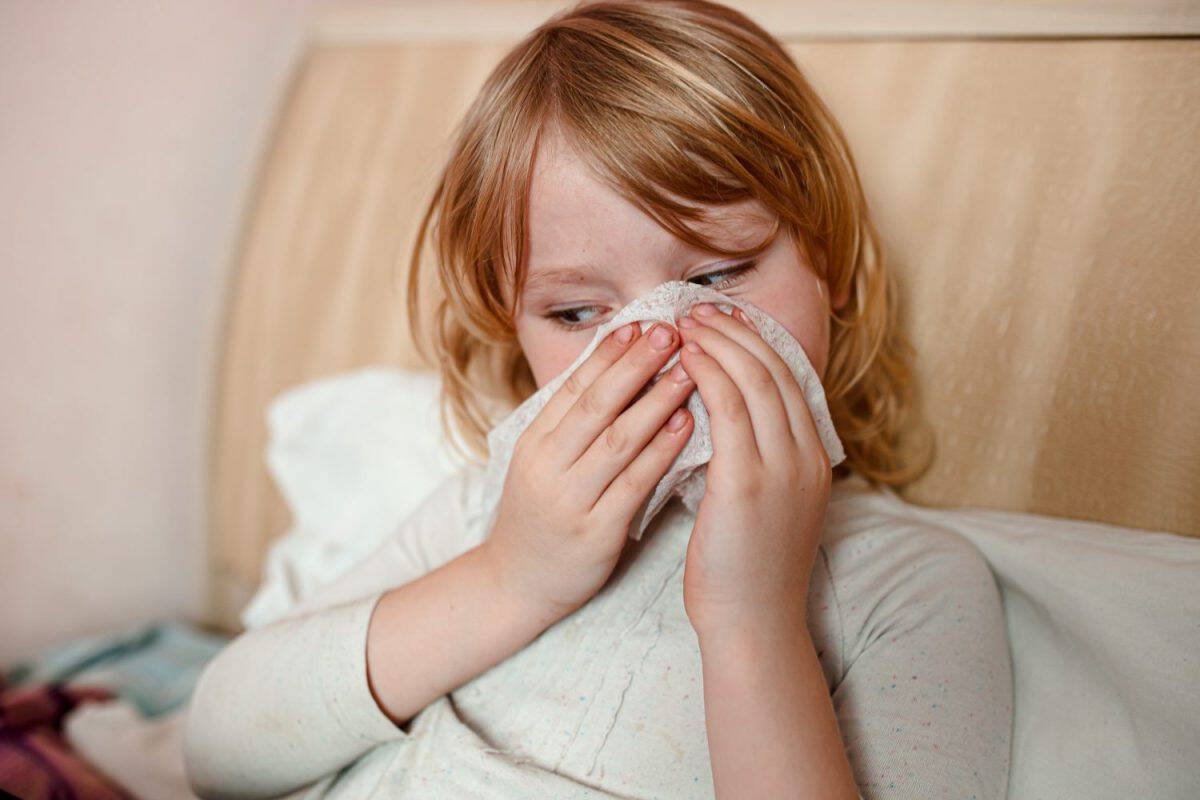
{"x": 759, "y": 524}
{"x": 584, "y": 466}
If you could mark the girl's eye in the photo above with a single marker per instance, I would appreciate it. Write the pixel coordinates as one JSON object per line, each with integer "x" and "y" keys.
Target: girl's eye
{"x": 569, "y": 317}
{"x": 735, "y": 273}
{"x": 581, "y": 316}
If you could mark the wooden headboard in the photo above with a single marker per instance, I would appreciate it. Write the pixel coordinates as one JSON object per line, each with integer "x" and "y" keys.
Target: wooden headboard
{"x": 1039, "y": 198}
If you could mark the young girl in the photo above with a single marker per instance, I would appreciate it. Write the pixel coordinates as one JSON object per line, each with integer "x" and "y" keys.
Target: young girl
{"x": 796, "y": 636}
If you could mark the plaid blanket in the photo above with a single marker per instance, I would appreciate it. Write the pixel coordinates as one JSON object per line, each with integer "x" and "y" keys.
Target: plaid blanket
{"x": 35, "y": 761}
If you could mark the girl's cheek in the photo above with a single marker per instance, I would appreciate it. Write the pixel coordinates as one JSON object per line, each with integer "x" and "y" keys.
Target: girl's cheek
{"x": 548, "y": 353}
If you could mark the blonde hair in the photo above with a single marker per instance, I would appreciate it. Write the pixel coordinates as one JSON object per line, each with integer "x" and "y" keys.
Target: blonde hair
{"x": 674, "y": 102}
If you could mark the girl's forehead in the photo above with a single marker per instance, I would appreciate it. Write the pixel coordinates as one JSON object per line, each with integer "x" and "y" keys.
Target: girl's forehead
{"x": 569, "y": 195}
{"x": 563, "y": 223}
{"x": 571, "y": 207}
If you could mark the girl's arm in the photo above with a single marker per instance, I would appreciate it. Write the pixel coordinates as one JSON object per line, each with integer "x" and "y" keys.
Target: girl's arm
{"x": 291, "y": 702}
{"x": 462, "y": 619}
{"x": 923, "y": 705}
{"x": 771, "y": 727}
{"x": 772, "y": 731}
{"x": 923, "y": 701}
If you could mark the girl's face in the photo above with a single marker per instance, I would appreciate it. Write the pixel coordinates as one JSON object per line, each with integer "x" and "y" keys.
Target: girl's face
{"x": 591, "y": 252}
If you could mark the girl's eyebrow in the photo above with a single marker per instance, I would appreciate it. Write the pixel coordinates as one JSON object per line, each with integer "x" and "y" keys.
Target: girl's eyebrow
{"x": 546, "y": 279}
{"x": 543, "y": 281}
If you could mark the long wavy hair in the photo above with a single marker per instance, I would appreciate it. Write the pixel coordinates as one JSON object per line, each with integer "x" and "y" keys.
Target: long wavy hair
{"x": 678, "y": 104}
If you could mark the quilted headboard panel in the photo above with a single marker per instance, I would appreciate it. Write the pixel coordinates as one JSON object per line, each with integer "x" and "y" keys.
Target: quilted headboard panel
{"x": 1039, "y": 198}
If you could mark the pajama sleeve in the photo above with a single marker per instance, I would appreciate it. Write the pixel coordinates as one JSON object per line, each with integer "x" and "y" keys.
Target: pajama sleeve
{"x": 288, "y": 703}
{"x": 924, "y": 702}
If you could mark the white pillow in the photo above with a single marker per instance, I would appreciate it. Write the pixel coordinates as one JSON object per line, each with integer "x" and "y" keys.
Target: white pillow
{"x": 1104, "y": 629}
{"x": 353, "y": 455}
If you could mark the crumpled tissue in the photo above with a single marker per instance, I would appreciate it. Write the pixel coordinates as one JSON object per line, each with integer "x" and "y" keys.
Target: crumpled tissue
{"x": 685, "y": 477}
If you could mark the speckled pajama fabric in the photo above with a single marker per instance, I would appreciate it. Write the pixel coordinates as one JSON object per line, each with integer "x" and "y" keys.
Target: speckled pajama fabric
{"x": 608, "y": 702}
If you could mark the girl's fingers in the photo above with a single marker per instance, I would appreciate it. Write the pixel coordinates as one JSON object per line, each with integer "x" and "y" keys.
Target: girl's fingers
{"x": 630, "y": 488}
{"x": 757, "y": 384}
{"x": 622, "y": 441}
{"x": 603, "y": 357}
{"x": 732, "y": 428}
{"x": 597, "y": 404}
{"x": 742, "y": 330}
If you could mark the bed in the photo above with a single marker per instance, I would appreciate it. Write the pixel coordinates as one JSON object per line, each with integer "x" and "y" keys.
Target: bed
{"x": 1038, "y": 195}
{"x": 1036, "y": 181}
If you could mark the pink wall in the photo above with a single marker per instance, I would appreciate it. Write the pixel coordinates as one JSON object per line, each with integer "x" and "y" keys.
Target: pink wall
{"x": 128, "y": 141}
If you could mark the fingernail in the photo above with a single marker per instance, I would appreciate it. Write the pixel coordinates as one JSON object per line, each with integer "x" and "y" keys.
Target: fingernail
{"x": 695, "y": 348}
{"x": 687, "y": 322}
{"x": 677, "y": 419}
{"x": 679, "y": 374}
{"x": 704, "y": 309}
{"x": 741, "y": 315}
{"x": 661, "y": 337}
{"x": 625, "y": 334}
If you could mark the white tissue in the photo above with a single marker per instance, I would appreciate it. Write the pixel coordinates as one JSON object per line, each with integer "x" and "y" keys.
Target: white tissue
{"x": 685, "y": 477}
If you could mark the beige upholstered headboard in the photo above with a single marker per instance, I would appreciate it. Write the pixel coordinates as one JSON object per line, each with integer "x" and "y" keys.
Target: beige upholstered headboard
{"x": 1039, "y": 197}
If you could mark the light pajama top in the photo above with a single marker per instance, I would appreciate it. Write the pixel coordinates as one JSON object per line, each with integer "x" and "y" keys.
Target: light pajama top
{"x": 608, "y": 702}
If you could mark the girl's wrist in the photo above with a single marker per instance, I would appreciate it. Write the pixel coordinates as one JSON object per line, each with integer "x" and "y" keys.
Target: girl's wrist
{"x": 511, "y": 591}
{"x": 762, "y": 631}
